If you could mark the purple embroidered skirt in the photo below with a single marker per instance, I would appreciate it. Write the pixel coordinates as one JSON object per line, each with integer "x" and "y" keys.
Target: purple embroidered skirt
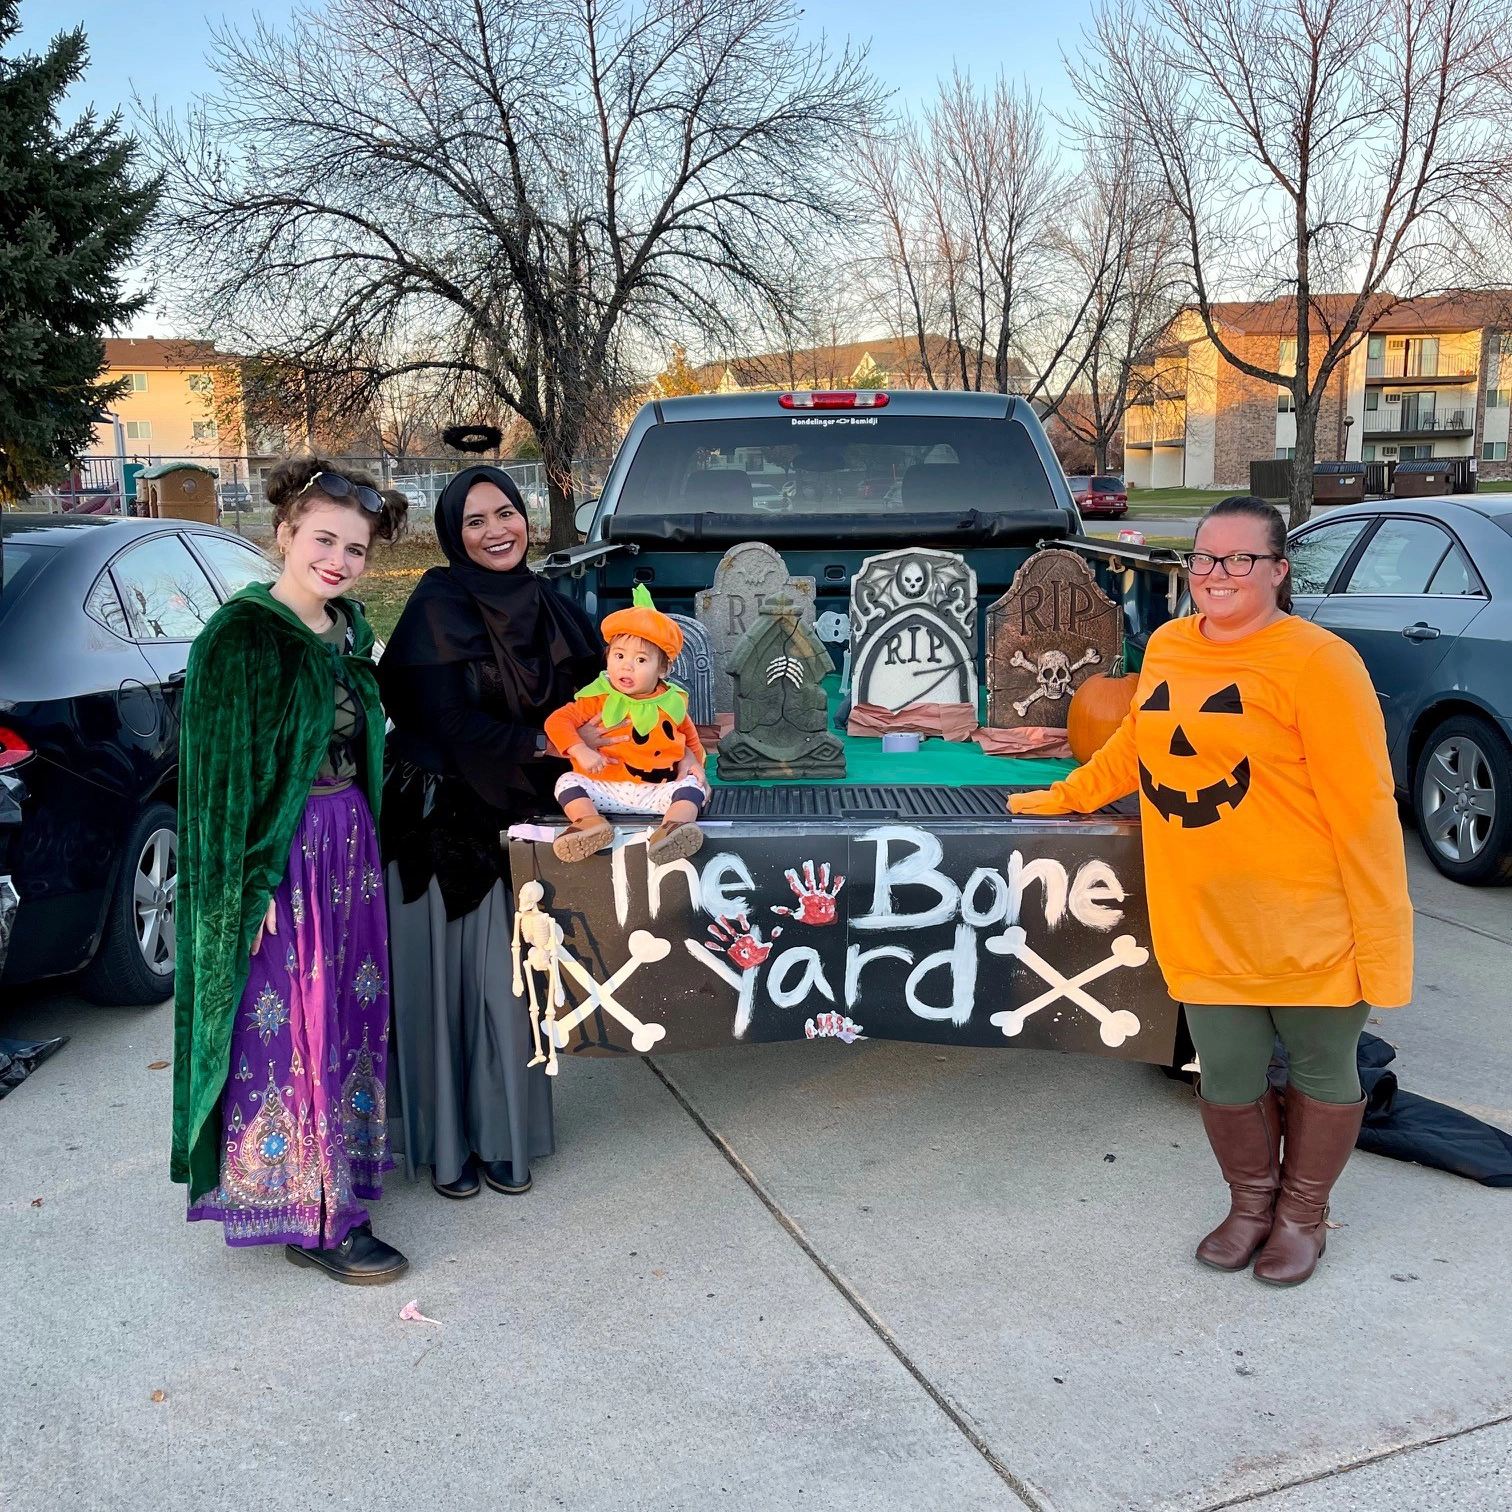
{"x": 304, "y": 1112}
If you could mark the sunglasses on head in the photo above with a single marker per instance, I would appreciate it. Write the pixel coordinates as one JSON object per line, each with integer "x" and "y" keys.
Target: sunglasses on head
{"x": 334, "y": 486}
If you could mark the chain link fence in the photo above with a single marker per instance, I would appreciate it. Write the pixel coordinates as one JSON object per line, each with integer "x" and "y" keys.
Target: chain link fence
{"x": 108, "y": 485}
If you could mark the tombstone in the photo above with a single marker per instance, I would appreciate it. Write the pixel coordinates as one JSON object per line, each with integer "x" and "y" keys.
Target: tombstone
{"x": 749, "y": 574}
{"x": 693, "y": 671}
{"x": 781, "y": 711}
{"x": 914, "y": 630}
{"x": 1051, "y": 631}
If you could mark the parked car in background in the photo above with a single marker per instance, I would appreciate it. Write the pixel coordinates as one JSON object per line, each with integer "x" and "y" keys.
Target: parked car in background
{"x": 1100, "y": 497}
{"x": 96, "y": 620}
{"x": 1422, "y": 588}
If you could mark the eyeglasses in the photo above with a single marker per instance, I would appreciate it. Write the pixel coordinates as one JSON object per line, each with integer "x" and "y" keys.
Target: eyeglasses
{"x": 334, "y": 486}
{"x": 1236, "y": 564}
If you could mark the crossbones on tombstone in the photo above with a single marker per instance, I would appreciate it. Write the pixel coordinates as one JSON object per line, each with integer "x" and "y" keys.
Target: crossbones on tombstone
{"x": 1114, "y": 1025}
{"x": 1053, "y": 671}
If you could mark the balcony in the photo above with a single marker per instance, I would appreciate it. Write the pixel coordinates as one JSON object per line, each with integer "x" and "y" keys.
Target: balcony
{"x": 1447, "y": 423}
{"x": 1376, "y": 373}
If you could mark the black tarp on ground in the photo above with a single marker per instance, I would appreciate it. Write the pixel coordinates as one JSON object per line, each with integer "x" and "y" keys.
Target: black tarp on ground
{"x": 19, "y": 1058}
{"x": 1403, "y": 1126}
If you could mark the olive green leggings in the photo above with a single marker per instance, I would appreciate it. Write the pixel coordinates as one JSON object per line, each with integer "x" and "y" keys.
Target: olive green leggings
{"x": 1234, "y": 1048}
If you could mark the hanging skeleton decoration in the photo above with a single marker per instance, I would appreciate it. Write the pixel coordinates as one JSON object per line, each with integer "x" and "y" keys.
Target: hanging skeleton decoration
{"x": 542, "y": 939}
{"x": 1053, "y": 672}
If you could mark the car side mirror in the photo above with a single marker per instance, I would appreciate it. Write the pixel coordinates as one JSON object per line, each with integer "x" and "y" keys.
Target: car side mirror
{"x": 583, "y": 518}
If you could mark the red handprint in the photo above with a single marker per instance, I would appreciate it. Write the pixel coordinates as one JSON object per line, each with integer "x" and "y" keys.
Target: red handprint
{"x": 741, "y": 941}
{"x": 816, "y": 899}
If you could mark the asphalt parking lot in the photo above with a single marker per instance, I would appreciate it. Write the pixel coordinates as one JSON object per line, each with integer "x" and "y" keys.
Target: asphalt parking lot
{"x": 803, "y": 1275}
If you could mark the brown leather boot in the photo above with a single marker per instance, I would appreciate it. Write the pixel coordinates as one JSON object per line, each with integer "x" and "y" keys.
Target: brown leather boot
{"x": 583, "y": 838}
{"x": 1319, "y": 1137}
{"x": 673, "y": 842}
{"x": 1246, "y": 1138}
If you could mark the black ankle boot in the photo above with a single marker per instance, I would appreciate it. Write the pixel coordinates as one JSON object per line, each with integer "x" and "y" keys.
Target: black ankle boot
{"x": 359, "y": 1260}
{"x": 499, "y": 1174}
{"x": 466, "y": 1184}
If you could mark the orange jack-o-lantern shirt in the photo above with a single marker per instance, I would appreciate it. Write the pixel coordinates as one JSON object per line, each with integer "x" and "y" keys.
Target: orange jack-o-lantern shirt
{"x": 1273, "y": 850}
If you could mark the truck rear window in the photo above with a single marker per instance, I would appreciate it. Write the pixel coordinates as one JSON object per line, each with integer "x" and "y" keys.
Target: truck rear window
{"x": 823, "y": 465}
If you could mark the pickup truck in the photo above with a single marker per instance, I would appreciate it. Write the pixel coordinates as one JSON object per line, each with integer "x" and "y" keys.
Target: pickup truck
{"x": 902, "y": 902}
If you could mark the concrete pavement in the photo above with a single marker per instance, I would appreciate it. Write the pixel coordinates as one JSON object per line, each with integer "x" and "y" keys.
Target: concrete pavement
{"x": 807, "y": 1275}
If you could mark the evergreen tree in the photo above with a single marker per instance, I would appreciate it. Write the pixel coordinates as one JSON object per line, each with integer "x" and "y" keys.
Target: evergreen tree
{"x": 72, "y": 210}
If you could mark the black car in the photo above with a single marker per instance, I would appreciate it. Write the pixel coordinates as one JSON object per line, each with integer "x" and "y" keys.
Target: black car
{"x": 96, "y": 620}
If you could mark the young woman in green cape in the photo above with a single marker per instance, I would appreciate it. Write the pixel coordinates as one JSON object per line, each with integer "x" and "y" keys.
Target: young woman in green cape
{"x": 281, "y": 1025}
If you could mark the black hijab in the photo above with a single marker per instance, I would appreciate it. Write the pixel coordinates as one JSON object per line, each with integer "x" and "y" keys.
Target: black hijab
{"x": 462, "y": 612}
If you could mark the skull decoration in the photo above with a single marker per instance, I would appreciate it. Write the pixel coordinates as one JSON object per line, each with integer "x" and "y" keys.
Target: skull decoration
{"x": 1053, "y": 671}
{"x": 912, "y": 578}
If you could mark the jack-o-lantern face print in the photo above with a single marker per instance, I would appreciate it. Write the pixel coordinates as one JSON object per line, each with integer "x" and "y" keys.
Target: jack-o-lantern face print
{"x": 655, "y": 753}
{"x": 1180, "y": 799}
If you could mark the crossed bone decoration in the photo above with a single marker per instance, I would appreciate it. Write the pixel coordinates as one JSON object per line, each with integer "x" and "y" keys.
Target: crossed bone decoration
{"x": 1054, "y": 670}
{"x": 546, "y": 954}
{"x": 644, "y": 948}
{"x": 1116, "y": 1025}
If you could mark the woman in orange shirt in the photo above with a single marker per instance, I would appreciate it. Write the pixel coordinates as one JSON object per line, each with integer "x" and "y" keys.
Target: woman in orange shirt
{"x": 1275, "y": 870}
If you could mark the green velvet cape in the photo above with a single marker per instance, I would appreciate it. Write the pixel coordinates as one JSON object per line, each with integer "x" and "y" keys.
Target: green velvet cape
{"x": 257, "y": 714}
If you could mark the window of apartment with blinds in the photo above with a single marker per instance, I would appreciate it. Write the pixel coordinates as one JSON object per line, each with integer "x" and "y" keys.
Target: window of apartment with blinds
{"x": 200, "y": 383}
{"x": 1493, "y": 451}
{"x": 137, "y": 382}
{"x": 139, "y": 430}
{"x": 204, "y": 430}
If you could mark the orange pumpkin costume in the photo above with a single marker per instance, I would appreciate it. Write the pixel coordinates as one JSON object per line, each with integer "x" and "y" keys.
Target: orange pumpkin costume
{"x": 1273, "y": 851}
{"x": 651, "y": 735}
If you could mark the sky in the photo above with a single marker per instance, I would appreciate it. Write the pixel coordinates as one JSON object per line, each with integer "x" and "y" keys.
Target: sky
{"x": 156, "y": 48}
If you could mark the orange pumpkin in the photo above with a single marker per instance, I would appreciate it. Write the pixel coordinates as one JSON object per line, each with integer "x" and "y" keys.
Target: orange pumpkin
{"x": 1097, "y": 709}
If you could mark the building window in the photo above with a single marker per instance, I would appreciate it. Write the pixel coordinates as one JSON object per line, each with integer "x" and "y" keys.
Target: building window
{"x": 1286, "y": 403}
{"x": 1367, "y": 453}
{"x": 137, "y": 382}
{"x": 1493, "y": 451}
{"x": 1285, "y": 453}
{"x": 1422, "y": 357}
{"x": 1286, "y": 355}
{"x": 200, "y": 383}
{"x": 1372, "y": 399}
{"x": 204, "y": 430}
{"x": 1498, "y": 398}
{"x": 139, "y": 430}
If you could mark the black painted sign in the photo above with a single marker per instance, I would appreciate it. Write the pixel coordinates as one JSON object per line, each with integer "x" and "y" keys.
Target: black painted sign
{"x": 1035, "y": 934}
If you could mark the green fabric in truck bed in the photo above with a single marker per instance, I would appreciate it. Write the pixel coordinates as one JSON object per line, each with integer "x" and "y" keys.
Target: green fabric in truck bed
{"x": 937, "y": 763}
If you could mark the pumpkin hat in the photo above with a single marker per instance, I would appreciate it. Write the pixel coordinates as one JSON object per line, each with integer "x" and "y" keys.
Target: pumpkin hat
{"x": 645, "y": 620}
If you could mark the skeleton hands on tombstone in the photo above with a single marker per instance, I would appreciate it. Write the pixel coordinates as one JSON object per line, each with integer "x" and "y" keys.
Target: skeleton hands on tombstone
{"x": 741, "y": 940}
{"x": 1053, "y": 671}
{"x": 816, "y": 897}
{"x": 542, "y": 937}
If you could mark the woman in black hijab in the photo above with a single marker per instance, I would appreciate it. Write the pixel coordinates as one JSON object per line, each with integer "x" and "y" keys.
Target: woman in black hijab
{"x": 482, "y": 653}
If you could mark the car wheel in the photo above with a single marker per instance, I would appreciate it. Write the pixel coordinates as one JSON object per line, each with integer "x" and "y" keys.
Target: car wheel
{"x": 134, "y": 964}
{"x": 1462, "y": 797}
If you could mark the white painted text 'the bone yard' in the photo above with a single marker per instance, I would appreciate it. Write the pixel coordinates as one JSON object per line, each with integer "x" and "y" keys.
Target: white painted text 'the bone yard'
{"x": 723, "y": 888}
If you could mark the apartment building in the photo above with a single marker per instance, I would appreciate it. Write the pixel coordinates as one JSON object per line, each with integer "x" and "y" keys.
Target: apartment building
{"x": 1432, "y": 378}
{"x": 182, "y": 400}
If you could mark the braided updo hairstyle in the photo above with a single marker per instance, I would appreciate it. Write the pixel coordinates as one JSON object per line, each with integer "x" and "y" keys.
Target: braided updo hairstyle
{"x": 282, "y": 488}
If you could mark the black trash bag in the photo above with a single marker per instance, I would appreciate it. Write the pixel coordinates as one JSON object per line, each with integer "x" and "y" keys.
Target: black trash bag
{"x": 1403, "y": 1126}
{"x": 19, "y": 1058}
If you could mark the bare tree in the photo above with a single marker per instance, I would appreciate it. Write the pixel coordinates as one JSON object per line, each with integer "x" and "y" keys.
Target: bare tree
{"x": 1116, "y": 246}
{"x": 962, "y": 203}
{"x": 1341, "y": 154}
{"x": 532, "y": 188}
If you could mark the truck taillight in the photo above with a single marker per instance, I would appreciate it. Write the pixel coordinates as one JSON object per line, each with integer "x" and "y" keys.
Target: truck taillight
{"x": 13, "y": 750}
{"x": 833, "y": 399}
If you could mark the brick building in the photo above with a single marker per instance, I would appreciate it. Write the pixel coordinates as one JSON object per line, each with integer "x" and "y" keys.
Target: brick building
{"x": 1431, "y": 378}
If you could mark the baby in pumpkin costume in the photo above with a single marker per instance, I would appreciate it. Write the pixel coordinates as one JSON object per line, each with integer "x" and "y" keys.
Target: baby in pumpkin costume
{"x": 651, "y": 759}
